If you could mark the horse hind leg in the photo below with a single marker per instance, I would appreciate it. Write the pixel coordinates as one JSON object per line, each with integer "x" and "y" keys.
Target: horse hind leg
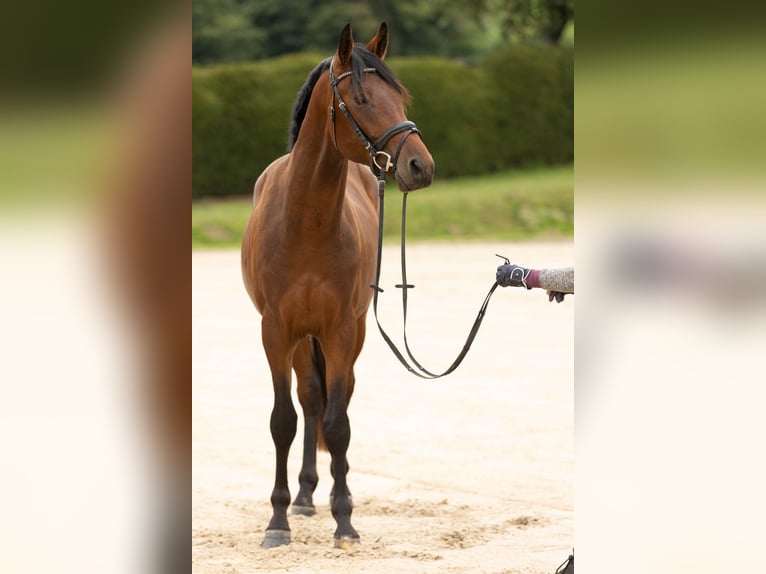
{"x": 308, "y": 363}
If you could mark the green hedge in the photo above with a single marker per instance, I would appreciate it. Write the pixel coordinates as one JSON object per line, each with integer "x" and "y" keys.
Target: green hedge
{"x": 240, "y": 119}
{"x": 532, "y": 107}
{"x": 451, "y": 111}
{"x": 515, "y": 108}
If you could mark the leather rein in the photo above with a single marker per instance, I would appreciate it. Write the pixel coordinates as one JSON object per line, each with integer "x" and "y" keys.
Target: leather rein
{"x": 375, "y": 149}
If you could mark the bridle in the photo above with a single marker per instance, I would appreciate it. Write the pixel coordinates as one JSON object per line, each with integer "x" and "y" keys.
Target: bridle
{"x": 375, "y": 149}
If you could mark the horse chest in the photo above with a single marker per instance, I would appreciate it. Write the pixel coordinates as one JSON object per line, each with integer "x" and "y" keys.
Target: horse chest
{"x": 314, "y": 304}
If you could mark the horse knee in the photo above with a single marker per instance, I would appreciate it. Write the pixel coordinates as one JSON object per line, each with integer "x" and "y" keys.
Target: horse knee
{"x": 284, "y": 423}
{"x": 337, "y": 430}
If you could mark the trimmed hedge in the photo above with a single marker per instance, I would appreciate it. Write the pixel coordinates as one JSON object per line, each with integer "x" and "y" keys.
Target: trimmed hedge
{"x": 516, "y": 108}
{"x": 451, "y": 111}
{"x": 531, "y": 106}
{"x": 240, "y": 119}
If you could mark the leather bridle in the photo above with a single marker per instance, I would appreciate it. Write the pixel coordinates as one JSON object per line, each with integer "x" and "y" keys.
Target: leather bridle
{"x": 373, "y": 147}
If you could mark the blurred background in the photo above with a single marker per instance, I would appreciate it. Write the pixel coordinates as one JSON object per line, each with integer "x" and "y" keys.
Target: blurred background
{"x": 500, "y": 71}
{"x": 248, "y": 30}
{"x": 671, "y": 254}
{"x": 95, "y": 333}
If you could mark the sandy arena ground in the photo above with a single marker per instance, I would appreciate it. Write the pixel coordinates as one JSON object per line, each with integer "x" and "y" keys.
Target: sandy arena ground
{"x": 470, "y": 473}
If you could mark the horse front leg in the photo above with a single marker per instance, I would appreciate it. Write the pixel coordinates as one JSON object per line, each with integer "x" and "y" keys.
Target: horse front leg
{"x": 308, "y": 363}
{"x": 361, "y": 326}
{"x": 283, "y": 425}
{"x": 337, "y": 431}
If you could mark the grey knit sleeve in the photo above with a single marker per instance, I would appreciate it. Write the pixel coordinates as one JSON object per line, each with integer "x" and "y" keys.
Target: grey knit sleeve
{"x": 561, "y": 280}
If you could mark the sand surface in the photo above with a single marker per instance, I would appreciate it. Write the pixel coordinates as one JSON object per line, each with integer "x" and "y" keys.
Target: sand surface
{"x": 470, "y": 473}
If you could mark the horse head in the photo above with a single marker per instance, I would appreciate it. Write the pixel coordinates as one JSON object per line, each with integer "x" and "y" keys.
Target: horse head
{"x": 368, "y": 119}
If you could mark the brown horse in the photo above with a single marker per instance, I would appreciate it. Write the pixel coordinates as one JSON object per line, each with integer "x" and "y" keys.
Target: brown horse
{"x": 309, "y": 254}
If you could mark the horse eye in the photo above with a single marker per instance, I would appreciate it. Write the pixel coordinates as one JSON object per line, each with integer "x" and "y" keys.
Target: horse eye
{"x": 360, "y": 99}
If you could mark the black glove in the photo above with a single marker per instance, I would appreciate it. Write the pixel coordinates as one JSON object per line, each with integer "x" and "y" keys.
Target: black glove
{"x": 511, "y": 275}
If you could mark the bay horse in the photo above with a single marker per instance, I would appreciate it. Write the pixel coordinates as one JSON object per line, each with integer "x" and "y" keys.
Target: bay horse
{"x": 309, "y": 256}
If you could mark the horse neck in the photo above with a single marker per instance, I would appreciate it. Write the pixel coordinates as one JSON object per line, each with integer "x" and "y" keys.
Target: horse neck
{"x": 317, "y": 170}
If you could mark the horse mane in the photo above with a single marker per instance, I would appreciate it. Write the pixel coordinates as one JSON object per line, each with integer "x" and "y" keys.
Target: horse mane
{"x": 302, "y": 101}
{"x": 361, "y": 59}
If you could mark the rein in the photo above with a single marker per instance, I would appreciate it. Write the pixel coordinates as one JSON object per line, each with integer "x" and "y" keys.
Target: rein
{"x": 415, "y": 368}
{"x": 375, "y": 149}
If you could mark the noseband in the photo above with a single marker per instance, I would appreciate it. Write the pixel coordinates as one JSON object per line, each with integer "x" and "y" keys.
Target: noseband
{"x": 374, "y": 147}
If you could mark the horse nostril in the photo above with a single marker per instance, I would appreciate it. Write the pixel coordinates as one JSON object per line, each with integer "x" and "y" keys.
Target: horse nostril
{"x": 420, "y": 172}
{"x": 416, "y": 168}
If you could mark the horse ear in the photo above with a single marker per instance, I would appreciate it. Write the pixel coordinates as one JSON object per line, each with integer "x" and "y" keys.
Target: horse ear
{"x": 379, "y": 44}
{"x": 345, "y": 45}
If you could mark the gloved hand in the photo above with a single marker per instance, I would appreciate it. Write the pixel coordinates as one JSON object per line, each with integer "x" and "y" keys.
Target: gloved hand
{"x": 557, "y": 295}
{"x": 511, "y": 275}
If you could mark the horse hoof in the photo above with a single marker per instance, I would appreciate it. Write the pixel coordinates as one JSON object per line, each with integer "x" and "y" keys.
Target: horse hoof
{"x": 276, "y": 538}
{"x": 346, "y": 542}
{"x": 303, "y": 510}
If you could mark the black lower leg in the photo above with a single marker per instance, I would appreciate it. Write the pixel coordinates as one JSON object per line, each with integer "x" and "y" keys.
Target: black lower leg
{"x": 283, "y": 426}
{"x": 338, "y": 434}
{"x": 308, "y": 478}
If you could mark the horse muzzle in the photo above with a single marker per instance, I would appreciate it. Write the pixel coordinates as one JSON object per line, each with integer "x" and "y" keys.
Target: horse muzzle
{"x": 414, "y": 171}
{"x": 412, "y": 164}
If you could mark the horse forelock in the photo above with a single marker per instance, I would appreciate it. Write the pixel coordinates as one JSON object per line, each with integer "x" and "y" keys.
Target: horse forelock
{"x": 361, "y": 59}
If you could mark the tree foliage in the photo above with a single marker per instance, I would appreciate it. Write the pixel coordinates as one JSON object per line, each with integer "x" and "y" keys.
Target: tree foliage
{"x": 246, "y": 30}
{"x": 536, "y": 19}
{"x": 223, "y": 31}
